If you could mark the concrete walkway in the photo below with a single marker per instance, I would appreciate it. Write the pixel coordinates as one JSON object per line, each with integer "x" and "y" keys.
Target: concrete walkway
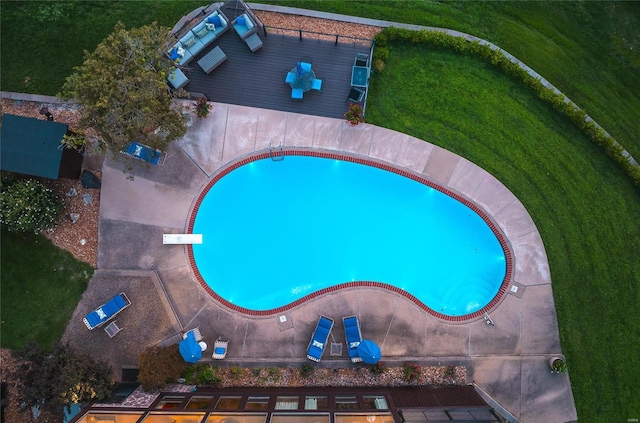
{"x": 509, "y": 360}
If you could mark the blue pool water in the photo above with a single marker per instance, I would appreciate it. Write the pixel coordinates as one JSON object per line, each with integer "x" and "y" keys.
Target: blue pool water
{"x": 275, "y": 231}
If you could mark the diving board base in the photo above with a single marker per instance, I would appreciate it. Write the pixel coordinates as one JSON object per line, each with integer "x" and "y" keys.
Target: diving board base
{"x": 182, "y": 238}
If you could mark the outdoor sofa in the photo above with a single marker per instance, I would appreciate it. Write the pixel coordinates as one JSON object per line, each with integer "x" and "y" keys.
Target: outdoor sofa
{"x": 195, "y": 40}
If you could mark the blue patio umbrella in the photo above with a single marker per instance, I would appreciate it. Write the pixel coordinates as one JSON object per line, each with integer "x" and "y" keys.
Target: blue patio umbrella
{"x": 369, "y": 351}
{"x": 190, "y": 349}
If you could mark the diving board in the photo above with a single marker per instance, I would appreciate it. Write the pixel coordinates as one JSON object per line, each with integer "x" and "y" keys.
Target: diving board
{"x": 182, "y": 238}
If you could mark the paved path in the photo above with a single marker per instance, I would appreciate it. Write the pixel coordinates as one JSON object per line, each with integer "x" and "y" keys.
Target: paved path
{"x": 508, "y": 360}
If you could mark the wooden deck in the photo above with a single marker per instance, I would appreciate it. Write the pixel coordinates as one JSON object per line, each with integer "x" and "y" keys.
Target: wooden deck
{"x": 257, "y": 79}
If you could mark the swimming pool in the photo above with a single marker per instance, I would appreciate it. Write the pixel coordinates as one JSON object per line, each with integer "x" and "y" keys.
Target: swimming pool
{"x": 277, "y": 233}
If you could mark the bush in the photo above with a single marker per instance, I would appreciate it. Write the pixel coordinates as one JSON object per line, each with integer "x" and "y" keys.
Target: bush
{"x": 378, "y": 369}
{"x": 411, "y": 372}
{"x": 354, "y": 114}
{"x": 306, "y": 370}
{"x": 159, "y": 366}
{"x": 28, "y": 206}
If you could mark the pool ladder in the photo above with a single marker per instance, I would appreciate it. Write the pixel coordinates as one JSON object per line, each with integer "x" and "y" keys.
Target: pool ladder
{"x": 276, "y": 153}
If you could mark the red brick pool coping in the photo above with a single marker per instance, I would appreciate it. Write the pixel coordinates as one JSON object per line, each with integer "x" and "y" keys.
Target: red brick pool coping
{"x": 369, "y": 162}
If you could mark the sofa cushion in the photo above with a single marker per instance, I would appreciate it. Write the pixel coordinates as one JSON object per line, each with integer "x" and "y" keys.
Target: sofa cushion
{"x": 214, "y": 19}
{"x": 202, "y": 32}
{"x": 248, "y": 22}
{"x": 189, "y": 42}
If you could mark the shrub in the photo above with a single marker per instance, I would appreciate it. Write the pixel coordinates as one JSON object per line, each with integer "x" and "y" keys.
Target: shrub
{"x": 236, "y": 371}
{"x": 28, "y": 206}
{"x": 159, "y": 366}
{"x": 306, "y": 370}
{"x": 378, "y": 369}
{"x": 202, "y": 107}
{"x": 354, "y": 114}
{"x": 450, "y": 371}
{"x": 411, "y": 372}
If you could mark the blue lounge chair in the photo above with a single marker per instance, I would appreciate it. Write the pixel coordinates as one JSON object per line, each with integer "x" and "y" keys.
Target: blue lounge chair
{"x": 319, "y": 339}
{"x": 296, "y": 93}
{"x": 316, "y": 84}
{"x": 353, "y": 336}
{"x": 143, "y": 152}
{"x": 291, "y": 78}
{"x": 107, "y": 311}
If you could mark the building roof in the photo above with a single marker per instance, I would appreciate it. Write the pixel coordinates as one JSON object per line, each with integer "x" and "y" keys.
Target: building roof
{"x": 31, "y": 146}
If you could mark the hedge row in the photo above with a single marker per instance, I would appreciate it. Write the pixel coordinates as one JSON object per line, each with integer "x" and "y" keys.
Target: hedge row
{"x": 497, "y": 58}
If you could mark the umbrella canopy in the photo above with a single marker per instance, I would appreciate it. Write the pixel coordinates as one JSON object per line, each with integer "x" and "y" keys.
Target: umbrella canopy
{"x": 190, "y": 349}
{"x": 369, "y": 351}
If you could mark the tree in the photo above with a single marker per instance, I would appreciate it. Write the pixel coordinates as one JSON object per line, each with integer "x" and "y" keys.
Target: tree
{"x": 159, "y": 366}
{"x": 123, "y": 90}
{"x": 51, "y": 379}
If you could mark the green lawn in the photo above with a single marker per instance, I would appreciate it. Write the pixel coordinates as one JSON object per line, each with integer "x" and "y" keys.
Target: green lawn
{"x": 41, "y": 287}
{"x": 584, "y": 206}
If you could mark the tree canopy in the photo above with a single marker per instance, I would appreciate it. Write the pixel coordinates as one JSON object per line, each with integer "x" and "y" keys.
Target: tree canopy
{"x": 123, "y": 90}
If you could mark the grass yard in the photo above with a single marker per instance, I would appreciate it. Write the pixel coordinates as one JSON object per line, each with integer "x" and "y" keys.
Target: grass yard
{"x": 584, "y": 206}
{"x": 41, "y": 287}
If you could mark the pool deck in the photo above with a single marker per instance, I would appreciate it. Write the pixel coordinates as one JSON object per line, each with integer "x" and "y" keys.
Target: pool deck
{"x": 508, "y": 360}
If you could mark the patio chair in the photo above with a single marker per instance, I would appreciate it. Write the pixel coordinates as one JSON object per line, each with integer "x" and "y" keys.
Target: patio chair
{"x": 220, "y": 349}
{"x": 316, "y": 84}
{"x": 291, "y": 78}
{"x": 296, "y": 93}
{"x": 106, "y": 311}
{"x": 353, "y": 336}
{"x": 196, "y": 334}
{"x": 319, "y": 339}
{"x": 362, "y": 59}
{"x": 306, "y": 66}
{"x": 355, "y": 95}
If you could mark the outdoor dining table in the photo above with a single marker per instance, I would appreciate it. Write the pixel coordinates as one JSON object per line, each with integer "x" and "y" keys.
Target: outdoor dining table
{"x": 303, "y": 82}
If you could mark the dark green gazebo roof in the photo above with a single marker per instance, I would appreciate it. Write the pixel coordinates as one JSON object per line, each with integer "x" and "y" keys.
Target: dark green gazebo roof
{"x": 31, "y": 146}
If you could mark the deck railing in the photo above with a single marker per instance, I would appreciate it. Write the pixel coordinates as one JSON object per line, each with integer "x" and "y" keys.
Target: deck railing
{"x": 318, "y": 36}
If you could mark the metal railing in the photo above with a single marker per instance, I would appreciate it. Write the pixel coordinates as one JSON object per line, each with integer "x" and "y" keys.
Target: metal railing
{"x": 318, "y": 36}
